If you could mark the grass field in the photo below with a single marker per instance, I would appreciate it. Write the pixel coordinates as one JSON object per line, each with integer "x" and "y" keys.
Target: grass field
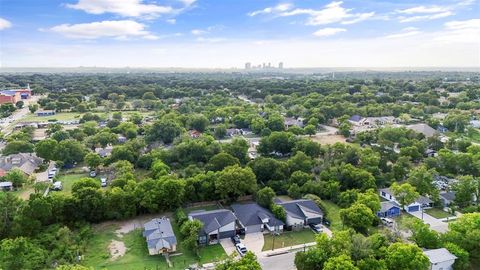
{"x": 437, "y": 213}
{"x": 333, "y": 215}
{"x": 137, "y": 257}
{"x": 68, "y": 180}
{"x": 287, "y": 239}
{"x": 59, "y": 116}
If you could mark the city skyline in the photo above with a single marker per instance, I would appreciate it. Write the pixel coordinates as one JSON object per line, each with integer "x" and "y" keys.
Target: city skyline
{"x": 208, "y": 34}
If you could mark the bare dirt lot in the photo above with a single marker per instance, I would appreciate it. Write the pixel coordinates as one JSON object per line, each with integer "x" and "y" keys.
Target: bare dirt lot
{"x": 328, "y": 139}
{"x": 117, "y": 249}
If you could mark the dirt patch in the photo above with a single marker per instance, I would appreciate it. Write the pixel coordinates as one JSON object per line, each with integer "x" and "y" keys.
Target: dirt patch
{"x": 328, "y": 139}
{"x": 117, "y": 249}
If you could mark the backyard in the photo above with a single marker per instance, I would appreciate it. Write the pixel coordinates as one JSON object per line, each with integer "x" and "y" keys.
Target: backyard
{"x": 135, "y": 253}
{"x": 68, "y": 180}
{"x": 333, "y": 215}
{"x": 403, "y": 219}
{"x": 287, "y": 239}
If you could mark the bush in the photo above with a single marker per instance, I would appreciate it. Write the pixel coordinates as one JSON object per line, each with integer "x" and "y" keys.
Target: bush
{"x": 180, "y": 216}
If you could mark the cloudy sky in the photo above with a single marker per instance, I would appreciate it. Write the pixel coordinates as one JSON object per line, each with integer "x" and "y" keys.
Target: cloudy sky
{"x": 228, "y": 33}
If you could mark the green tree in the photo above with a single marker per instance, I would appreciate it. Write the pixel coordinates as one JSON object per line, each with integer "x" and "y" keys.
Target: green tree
{"x": 93, "y": 160}
{"x": 221, "y": 161}
{"x": 404, "y": 193}
{"x": 371, "y": 199}
{"x": 33, "y": 108}
{"x": 159, "y": 169}
{"x": 20, "y": 253}
{"x": 16, "y": 147}
{"x": 465, "y": 233}
{"x": 46, "y": 149}
{"x": 401, "y": 256}
{"x": 342, "y": 262}
{"x": 198, "y": 122}
{"x": 463, "y": 258}
{"x": 358, "y": 216}
{"x": 189, "y": 231}
{"x": 310, "y": 130}
{"x": 220, "y": 132}
{"x": 234, "y": 181}
{"x": 300, "y": 162}
{"x": 278, "y": 211}
{"x": 422, "y": 179}
{"x": 247, "y": 262}
{"x": 264, "y": 196}
{"x": 164, "y": 130}
{"x": 16, "y": 176}
{"x": 423, "y": 236}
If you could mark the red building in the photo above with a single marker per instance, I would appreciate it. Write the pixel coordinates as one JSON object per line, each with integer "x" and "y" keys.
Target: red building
{"x": 15, "y": 95}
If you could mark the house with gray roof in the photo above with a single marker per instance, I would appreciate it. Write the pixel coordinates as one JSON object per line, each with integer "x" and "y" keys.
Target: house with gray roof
{"x": 447, "y": 198}
{"x": 217, "y": 224}
{"x": 440, "y": 259}
{"x": 254, "y": 218}
{"x": 419, "y": 203}
{"x": 388, "y": 209}
{"x": 26, "y": 162}
{"x": 424, "y": 129}
{"x": 159, "y": 235}
{"x": 301, "y": 213}
{"x": 104, "y": 151}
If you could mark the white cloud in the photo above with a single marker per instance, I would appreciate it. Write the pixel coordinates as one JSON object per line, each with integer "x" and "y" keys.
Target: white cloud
{"x": 113, "y": 29}
{"x": 426, "y": 17}
{"x": 406, "y": 32}
{"x": 467, "y": 31}
{"x": 128, "y": 8}
{"x": 331, "y": 13}
{"x": 4, "y": 24}
{"x": 423, "y": 9}
{"x": 282, "y": 7}
{"x": 326, "y": 32}
{"x": 210, "y": 40}
{"x": 198, "y": 32}
{"x": 171, "y": 21}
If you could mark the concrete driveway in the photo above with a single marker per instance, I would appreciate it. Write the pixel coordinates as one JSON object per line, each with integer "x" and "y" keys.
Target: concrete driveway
{"x": 228, "y": 246}
{"x": 435, "y": 223}
{"x": 254, "y": 242}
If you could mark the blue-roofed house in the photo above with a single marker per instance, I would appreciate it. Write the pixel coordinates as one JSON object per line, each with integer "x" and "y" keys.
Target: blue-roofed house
{"x": 356, "y": 120}
{"x": 301, "y": 213}
{"x": 217, "y": 224}
{"x": 254, "y": 218}
{"x": 388, "y": 209}
{"x": 160, "y": 236}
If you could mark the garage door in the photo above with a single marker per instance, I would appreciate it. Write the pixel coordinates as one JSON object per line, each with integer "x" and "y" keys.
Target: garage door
{"x": 413, "y": 208}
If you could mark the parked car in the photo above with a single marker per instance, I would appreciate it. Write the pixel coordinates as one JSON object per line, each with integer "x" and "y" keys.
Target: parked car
{"x": 235, "y": 239}
{"x": 326, "y": 222}
{"x": 317, "y": 228}
{"x": 241, "y": 249}
{"x": 57, "y": 186}
{"x": 103, "y": 181}
{"x": 387, "y": 221}
{"x": 93, "y": 173}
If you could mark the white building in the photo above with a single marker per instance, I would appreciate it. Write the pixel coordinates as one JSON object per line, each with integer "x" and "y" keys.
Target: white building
{"x": 440, "y": 259}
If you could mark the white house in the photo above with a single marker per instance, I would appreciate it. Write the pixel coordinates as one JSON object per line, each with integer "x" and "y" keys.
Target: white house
{"x": 420, "y": 202}
{"x": 440, "y": 259}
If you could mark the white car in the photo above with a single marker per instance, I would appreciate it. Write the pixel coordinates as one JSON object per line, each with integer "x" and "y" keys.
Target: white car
{"x": 103, "y": 181}
{"x": 387, "y": 221}
{"x": 241, "y": 249}
{"x": 57, "y": 186}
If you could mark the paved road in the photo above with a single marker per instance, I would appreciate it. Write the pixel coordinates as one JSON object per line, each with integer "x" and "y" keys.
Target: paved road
{"x": 10, "y": 122}
{"x": 435, "y": 224}
{"x": 278, "y": 262}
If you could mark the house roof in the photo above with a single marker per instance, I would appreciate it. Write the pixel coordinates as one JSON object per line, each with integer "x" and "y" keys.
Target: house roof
{"x": 252, "y": 214}
{"x": 439, "y": 255}
{"x": 159, "y": 233}
{"x": 425, "y": 129}
{"x": 292, "y": 122}
{"x": 385, "y": 206}
{"x": 423, "y": 200}
{"x": 214, "y": 219}
{"x": 450, "y": 195}
{"x": 301, "y": 208}
{"x": 26, "y": 162}
{"x": 355, "y": 118}
{"x": 386, "y": 190}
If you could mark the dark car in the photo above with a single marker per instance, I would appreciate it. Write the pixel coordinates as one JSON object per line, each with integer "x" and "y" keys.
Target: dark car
{"x": 326, "y": 222}
{"x": 235, "y": 239}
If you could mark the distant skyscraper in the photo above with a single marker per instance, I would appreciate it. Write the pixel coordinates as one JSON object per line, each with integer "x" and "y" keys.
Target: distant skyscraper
{"x": 263, "y": 65}
{"x": 269, "y": 65}
{"x": 248, "y": 65}
{"x": 280, "y": 65}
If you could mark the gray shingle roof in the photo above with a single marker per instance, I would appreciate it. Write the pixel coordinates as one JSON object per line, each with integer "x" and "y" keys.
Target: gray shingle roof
{"x": 355, "y": 118}
{"x": 299, "y": 208}
{"x": 385, "y": 206}
{"x": 450, "y": 195}
{"x": 26, "y": 162}
{"x": 439, "y": 255}
{"x": 213, "y": 220}
{"x": 252, "y": 214}
{"x": 159, "y": 233}
{"x": 423, "y": 200}
{"x": 425, "y": 129}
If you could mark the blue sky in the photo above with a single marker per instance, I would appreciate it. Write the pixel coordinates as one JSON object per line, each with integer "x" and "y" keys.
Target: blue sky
{"x": 228, "y": 33}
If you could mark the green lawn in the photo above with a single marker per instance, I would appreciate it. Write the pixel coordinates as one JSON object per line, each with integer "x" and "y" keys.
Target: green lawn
{"x": 287, "y": 239}
{"x": 437, "y": 213}
{"x": 59, "y": 116}
{"x": 68, "y": 180}
{"x": 333, "y": 215}
{"x": 403, "y": 220}
{"x": 137, "y": 257}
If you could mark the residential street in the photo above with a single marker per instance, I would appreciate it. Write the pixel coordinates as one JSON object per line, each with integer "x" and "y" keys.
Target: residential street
{"x": 278, "y": 262}
{"x": 435, "y": 224}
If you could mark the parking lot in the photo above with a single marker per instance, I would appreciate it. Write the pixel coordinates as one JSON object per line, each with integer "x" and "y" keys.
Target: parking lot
{"x": 253, "y": 242}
